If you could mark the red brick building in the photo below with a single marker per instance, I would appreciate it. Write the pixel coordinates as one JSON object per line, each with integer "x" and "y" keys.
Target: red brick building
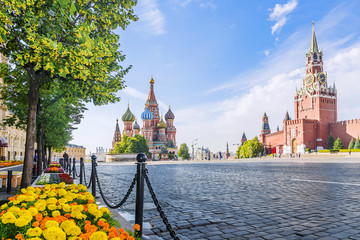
{"x": 315, "y": 113}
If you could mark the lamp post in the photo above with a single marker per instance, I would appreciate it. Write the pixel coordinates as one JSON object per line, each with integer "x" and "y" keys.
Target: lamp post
{"x": 194, "y": 142}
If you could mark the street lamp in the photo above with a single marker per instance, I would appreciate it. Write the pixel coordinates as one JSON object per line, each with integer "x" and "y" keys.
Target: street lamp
{"x": 194, "y": 142}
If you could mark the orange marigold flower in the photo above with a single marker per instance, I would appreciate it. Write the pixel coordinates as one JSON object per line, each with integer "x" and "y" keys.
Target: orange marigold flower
{"x": 19, "y": 236}
{"x": 131, "y": 238}
{"x": 39, "y": 217}
{"x": 90, "y": 201}
{"x": 67, "y": 215}
{"x": 36, "y": 224}
{"x": 137, "y": 227}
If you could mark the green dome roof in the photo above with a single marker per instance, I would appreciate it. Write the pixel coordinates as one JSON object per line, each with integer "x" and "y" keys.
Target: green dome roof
{"x": 128, "y": 116}
{"x": 161, "y": 124}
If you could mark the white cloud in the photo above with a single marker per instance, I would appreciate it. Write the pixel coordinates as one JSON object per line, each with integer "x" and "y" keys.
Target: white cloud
{"x": 151, "y": 19}
{"x": 279, "y": 14}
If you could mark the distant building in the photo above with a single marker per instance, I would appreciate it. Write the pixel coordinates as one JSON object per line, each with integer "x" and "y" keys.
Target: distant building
{"x": 12, "y": 140}
{"x": 159, "y": 134}
{"x": 74, "y": 151}
{"x": 315, "y": 113}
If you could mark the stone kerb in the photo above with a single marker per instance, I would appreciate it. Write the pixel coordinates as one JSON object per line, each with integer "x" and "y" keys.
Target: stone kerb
{"x": 121, "y": 157}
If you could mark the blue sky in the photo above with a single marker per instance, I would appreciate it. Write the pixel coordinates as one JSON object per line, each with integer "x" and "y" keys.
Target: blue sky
{"x": 222, "y": 64}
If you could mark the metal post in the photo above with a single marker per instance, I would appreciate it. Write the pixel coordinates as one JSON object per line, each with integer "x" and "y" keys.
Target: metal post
{"x": 74, "y": 175}
{"x": 81, "y": 170}
{"x": 93, "y": 180}
{"x": 69, "y": 166}
{"x": 139, "y": 207}
{"x": 9, "y": 182}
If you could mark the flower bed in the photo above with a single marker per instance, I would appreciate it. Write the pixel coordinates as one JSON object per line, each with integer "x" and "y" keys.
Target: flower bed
{"x": 59, "y": 212}
{"x": 54, "y": 170}
{"x": 10, "y": 163}
{"x": 55, "y": 165}
{"x": 47, "y": 178}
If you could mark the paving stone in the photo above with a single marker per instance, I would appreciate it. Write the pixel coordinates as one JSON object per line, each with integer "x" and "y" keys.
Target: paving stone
{"x": 254, "y": 200}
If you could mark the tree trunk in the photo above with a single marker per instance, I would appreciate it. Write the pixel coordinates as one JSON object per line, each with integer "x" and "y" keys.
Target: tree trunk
{"x": 39, "y": 149}
{"x": 33, "y": 96}
{"x": 49, "y": 156}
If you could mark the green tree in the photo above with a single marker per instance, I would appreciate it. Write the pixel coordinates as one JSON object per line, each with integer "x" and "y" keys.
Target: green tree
{"x": 70, "y": 42}
{"x": 357, "y": 144}
{"x": 351, "y": 144}
{"x": 136, "y": 144}
{"x": 184, "y": 151}
{"x": 250, "y": 148}
{"x": 338, "y": 144}
{"x": 171, "y": 156}
{"x": 330, "y": 142}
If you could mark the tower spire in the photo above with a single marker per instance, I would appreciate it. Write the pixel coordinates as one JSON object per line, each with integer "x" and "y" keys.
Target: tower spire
{"x": 313, "y": 44}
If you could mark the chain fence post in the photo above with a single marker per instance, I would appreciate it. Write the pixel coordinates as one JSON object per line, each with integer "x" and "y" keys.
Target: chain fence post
{"x": 70, "y": 166}
{"x": 139, "y": 207}
{"x": 81, "y": 170}
{"x": 9, "y": 182}
{"x": 93, "y": 183}
{"x": 74, "y": 174}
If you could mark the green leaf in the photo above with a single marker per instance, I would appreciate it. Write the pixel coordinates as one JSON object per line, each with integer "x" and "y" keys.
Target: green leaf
{"x": 72, "y": 9}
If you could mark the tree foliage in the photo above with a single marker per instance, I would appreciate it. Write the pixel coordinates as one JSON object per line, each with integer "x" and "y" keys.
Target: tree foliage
{"x": 250, "y": 148}
{"x": 351, "y": 144}
{"x": 72, "y": 44}
{"x": 331, "y": 141}
{"x": 338, "y": 144}
{"x": 357, "y": 144}
{"x": 136, "y": 144}
{"x": 184, "y": 151}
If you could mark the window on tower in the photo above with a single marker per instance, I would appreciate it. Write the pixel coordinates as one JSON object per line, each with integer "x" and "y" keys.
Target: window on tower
{"x": 315, "y": 57}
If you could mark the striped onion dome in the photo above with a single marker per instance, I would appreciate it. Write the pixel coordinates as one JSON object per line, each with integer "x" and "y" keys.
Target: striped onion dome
{"x": 169, "y": 115}
{"x": 136, "y": 125}
{"x": 147, "y": 115}
{"x": 128, "y": 116}
{"x": 161, "y": 124}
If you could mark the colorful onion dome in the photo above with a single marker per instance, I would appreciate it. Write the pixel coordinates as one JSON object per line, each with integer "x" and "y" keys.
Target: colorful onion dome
{"x": 136, "y": 125}
{"x": 169, "y": 115}
{"x": 147, "y": 115}
{"x": 128, "y": 116}
{"x": 161, "y": 124}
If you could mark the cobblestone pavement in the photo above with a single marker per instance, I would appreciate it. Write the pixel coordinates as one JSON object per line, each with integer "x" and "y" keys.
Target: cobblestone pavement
{"x": 246, "y": 200}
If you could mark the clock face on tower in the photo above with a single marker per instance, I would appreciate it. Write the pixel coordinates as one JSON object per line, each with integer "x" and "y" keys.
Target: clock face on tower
{"x": 322, "y": 78}
{"x": 309, "y": 79}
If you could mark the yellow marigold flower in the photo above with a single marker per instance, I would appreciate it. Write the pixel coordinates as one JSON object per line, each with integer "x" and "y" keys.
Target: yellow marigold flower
{"x": 104, "y": 210}
{"x": 66, "y": 207}
{"x": 51, "y": 207}
{"x": 35, "y": 238}
{"x": 51, "y": 223}
{"x": 34, "y": 232}
{"x": 62, "y": 185}
{"x": 21, "y": 222}
{"x": 4, "y": 206}
{"x": 62, "y": 192}
{"x": 56, "y": 213}
{"x": 8, "y": 218}
{"x": 62, "y": 200}
{"x": 23, "y": 190}
{"x": 75, "y": 238}
{"x": 98, "y": 236}
{"x": 116, "y": 238}
{"x": 54, "y": 233}
{"x": 40, "y": 205}
{"x": 33, "y": 211}
{"x": 51, "y": 200}
{"x": 52, "y": 194}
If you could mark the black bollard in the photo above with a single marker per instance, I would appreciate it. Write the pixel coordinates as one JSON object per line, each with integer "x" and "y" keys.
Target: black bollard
{"x": 81, "y": 170}
{"x": 9, "y": 182}
{"x": 74, "y": 175}
{"x": 93, "y": 180}
{"x": 139, "y": 207}
{"x": 69, "y": 166}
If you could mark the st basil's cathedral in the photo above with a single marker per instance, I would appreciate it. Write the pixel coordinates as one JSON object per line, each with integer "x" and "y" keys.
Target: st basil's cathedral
{"x": 160, "y": 134}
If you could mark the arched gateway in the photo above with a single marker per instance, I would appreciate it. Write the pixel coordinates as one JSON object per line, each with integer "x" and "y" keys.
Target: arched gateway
{"x": 294, "y": 146}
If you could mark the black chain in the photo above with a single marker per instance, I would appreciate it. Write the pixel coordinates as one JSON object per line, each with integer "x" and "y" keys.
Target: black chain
{"x": 158, "y": 207}
{"x": 125, "y": 197}
{"x": 76, "y": 171}
{"x": 84, "y": 173}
